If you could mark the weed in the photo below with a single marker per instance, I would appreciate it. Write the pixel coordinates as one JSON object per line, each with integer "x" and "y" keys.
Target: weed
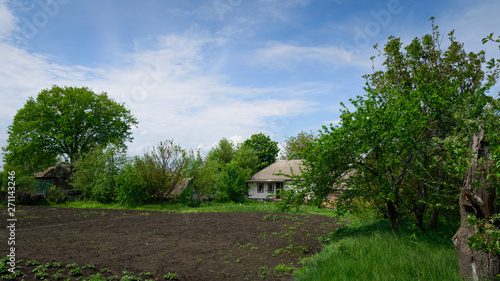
{"x": 104, "y": 270}
{"x": 244, "y": 246}
{"x": 269, "y": 218}
{"x": 254, "y": 248}
{"x": 302, "y": 250}
{"x": 238, "y": 260}
{"x": 263, "y": 271}
{"x": 148, "y": 274}
{"x": 283, "y": 269}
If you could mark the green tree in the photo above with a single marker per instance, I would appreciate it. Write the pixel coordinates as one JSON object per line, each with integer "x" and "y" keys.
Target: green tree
{"x": 95, "y": 172}
{"x": 266, "y": 149}
{"x": 402, "y": 143}
{"x": 223, "y": 153}
{"x": 65, "y": 122}
{"x": 160, "y": 170}
{"x": 295, "y": 147}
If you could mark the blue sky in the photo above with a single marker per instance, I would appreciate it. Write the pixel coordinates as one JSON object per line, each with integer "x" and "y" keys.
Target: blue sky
{"x": 198, "y": 71}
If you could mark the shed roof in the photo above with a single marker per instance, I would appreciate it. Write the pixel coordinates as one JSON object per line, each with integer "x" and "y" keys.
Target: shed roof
{"x": 179, "y": 188}
{"x": 269, "y": 173}
{"x": 61, "y": 171}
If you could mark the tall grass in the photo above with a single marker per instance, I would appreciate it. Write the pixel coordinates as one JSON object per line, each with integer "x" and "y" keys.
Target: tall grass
{"x": 370, "y": 251}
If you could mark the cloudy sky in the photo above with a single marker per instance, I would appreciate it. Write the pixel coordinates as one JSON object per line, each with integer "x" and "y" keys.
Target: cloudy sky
{"x": 198, "y": 71}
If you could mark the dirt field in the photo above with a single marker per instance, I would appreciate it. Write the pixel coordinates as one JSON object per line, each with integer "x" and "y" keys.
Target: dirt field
{"x": 194, "y": 246}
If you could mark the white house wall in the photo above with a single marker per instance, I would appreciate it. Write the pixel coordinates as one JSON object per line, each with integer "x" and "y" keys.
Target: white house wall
{"x": 253, "y": 194}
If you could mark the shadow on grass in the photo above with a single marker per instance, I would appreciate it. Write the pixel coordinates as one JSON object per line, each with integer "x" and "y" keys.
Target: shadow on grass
{"x": 440, "y": 237}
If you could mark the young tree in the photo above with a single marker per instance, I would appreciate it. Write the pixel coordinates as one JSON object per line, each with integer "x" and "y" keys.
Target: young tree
{"x": 95, "y": 172}
{"x": 65, "y": 122}
{"x": 160, "y": 170}
{"x": 295, "y": 147}
{"x": 266, "y": 149}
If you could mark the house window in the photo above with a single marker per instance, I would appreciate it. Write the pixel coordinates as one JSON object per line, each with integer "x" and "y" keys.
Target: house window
{"x": 260, "y": 188}
{"x": 279, "y": 186}
{"x": 270, "y": 188}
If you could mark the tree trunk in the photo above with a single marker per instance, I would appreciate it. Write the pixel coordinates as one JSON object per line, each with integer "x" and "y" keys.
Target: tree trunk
{"x": 434, "y": 220}
{"x": 475, "y": 265}
{"x": 393, "y": 215}
{"x": 420, "y": 208}
{"x": 419, "y": 216}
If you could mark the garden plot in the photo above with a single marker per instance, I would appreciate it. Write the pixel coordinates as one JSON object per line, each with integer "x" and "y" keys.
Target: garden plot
{"x": 154, "y": 245}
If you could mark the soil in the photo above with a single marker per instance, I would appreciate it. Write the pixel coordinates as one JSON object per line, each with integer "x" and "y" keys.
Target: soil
{"x": 194, "y": 246}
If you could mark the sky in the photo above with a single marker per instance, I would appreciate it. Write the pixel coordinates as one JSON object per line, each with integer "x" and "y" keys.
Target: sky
{"x": 200, "y": 71}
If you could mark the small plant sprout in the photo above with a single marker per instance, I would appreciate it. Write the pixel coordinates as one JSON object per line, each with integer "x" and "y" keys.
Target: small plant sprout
{"x": 170, "y": 276}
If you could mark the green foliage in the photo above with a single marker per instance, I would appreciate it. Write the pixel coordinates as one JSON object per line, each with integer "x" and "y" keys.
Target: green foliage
{"x": 403, "y": 146}
{"x": 128, "y": 191}
{"x": 232, "y": 184}
{"x": 224, "y": 172}
{"x": 295, "y": 147}
{"x": 266, "y": 149}
{"x": 65, "y": 122}
{"x": 490, "y": 38}
{"x": 95, "y": 173}
{"x": 160, "y": 170}
{"x": 486, "y": 237}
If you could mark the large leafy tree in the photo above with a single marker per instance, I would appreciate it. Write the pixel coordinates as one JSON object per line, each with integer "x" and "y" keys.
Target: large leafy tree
{"x": 64, "y": 123}
{"x": 295, "y": 146}
{"x": 266, "y": 149}
{"x": 401, "y": 143}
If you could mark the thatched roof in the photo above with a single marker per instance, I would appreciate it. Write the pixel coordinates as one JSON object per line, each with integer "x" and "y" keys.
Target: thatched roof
{"x": 60, "y": 171}
{"x": 268, "y": 174}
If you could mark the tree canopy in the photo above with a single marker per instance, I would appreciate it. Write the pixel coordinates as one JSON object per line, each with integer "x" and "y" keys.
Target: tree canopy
{"x": 266, "y": 149}
{"x": 404, "y": 145}
{"x": 295, "y": 146}
{"x": 65, "y": 122}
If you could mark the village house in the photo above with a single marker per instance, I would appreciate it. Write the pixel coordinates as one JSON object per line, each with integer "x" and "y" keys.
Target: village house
{"x": 56, "y": 176}
{"x": 265, "y": 184}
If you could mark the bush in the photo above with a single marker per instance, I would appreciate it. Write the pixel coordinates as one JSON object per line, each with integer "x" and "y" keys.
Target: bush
{"x": 127, "y": 190}
{"x": 95, "y": 173}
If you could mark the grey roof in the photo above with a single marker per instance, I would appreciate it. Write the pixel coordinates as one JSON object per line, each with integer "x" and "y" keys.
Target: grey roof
{"x": 59, "y": 171}
{"x": 268, "y": 174}
{"x": 179, "y": 188}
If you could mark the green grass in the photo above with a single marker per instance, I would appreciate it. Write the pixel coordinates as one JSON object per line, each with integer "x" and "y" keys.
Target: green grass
{"x": 205, "y": 207}
{"x": 370, "y": 251}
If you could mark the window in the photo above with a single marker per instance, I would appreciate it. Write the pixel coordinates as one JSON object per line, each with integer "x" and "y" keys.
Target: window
{"x": 279, "y": 186}
{"x": 260, "y": 188}
{"x": 270, "y": 188}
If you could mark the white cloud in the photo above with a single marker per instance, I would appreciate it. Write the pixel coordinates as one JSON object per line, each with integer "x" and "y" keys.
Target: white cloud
{"x": 167, "y": 90}
{"x": 290, "y": 57}
{"x": 7, "y": 20}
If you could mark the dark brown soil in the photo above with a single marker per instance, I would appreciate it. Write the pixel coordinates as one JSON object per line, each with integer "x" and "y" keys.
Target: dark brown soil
{"x": 194, "y": 246}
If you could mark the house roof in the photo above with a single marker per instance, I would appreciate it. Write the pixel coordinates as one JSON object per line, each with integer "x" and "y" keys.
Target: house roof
{"x": 180, "y": 187}
{"x": 268, "y": 174}
{"x": 58, "y": 171}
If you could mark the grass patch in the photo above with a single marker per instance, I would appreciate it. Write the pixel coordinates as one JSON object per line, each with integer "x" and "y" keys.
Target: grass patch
{"x": 369, "y": 250}
{"x": 249, "y": 206}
